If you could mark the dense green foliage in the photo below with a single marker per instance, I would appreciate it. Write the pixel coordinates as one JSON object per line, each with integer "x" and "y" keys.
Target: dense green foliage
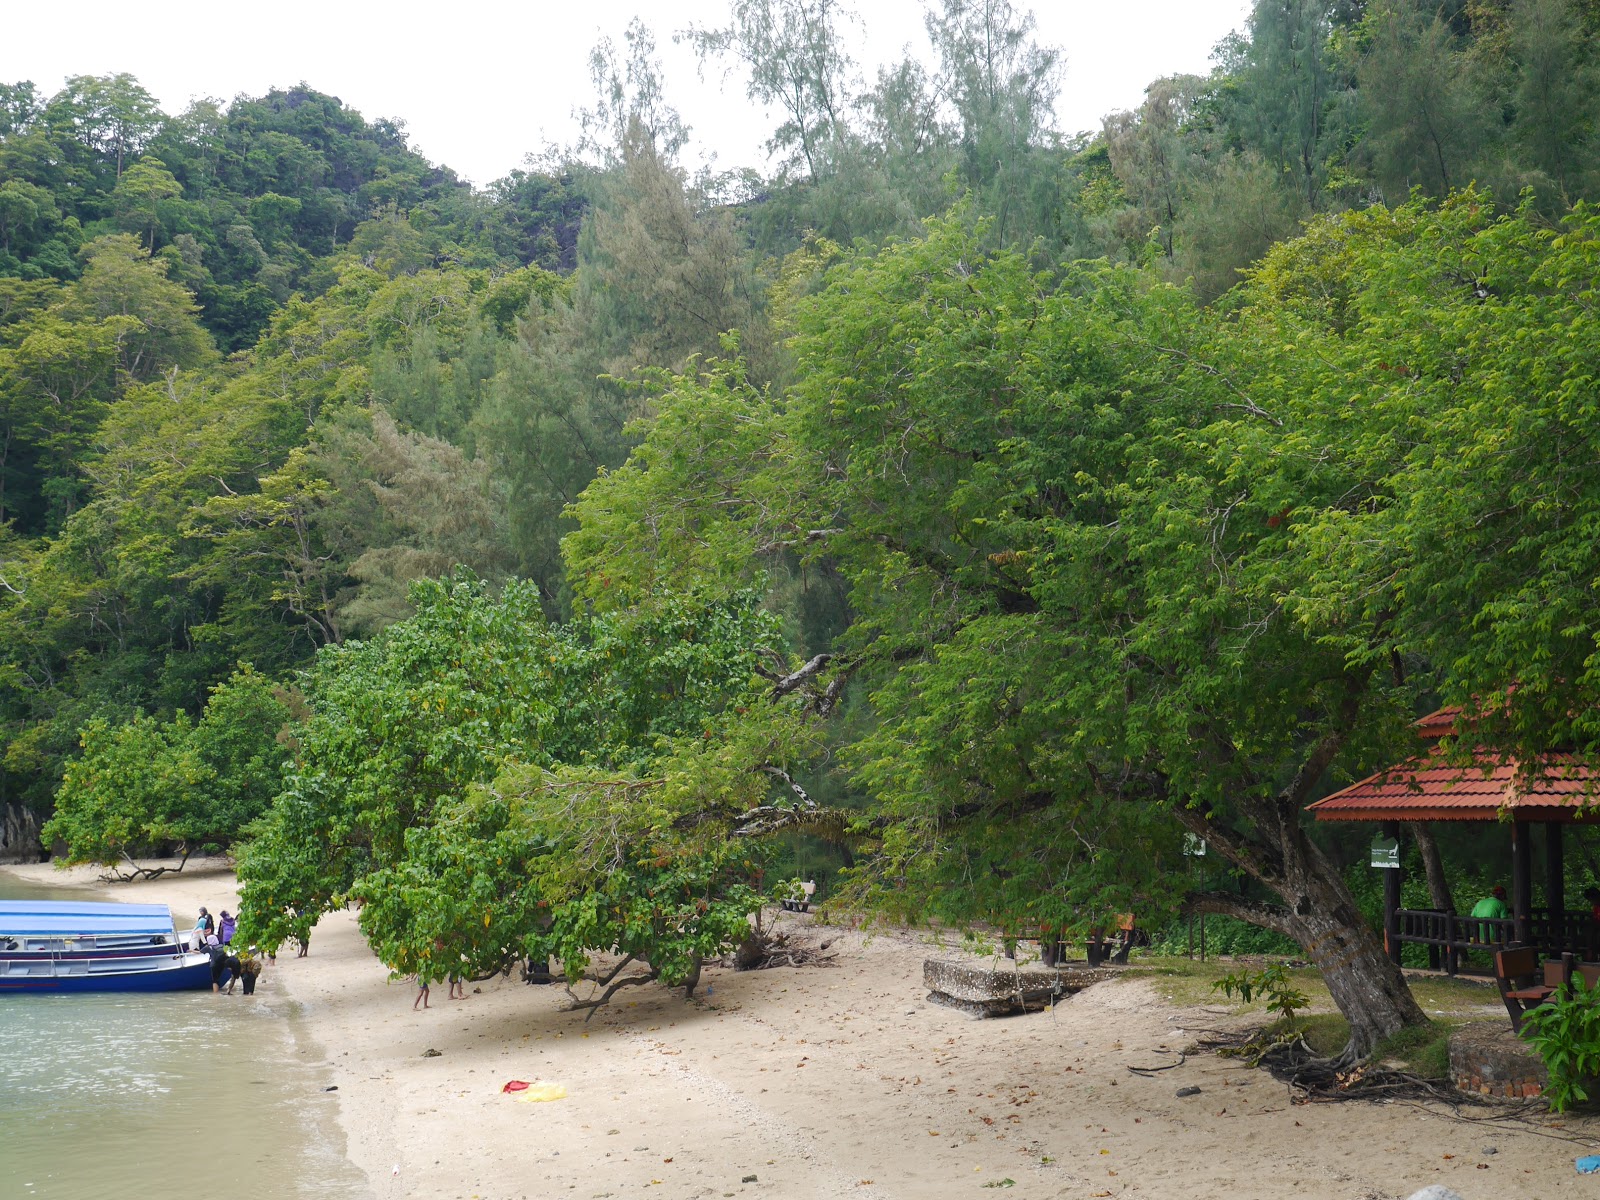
{"x": 142, "y": 784}
{"x": 1150, "y": 490}
{"x": 1565, "y": 1031}
{"x": 492, "y": 786}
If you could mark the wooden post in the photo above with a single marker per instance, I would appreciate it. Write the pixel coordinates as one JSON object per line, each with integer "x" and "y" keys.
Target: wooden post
{"x": 1521, "y": 881}
{"x": 1555, "y": 885}
{"x": 1393, "y": 877}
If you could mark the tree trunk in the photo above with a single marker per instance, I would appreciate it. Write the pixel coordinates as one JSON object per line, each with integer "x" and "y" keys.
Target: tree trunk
{"x": 1321, "y": 915}
{"x": 1432, "y": 866}
{"x": 692, "y": 980}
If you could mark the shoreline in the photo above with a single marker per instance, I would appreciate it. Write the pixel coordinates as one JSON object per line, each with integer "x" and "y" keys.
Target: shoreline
{"x": 835, "y": 1081}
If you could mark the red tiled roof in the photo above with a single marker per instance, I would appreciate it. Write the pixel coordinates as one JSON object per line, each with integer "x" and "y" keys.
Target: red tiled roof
{"x": 1438, "y": 724}
{"x": 1561, "y": 788}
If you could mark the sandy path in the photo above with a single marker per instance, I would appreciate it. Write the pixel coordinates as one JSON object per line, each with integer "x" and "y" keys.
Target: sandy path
{"x": 843, "y": 1082}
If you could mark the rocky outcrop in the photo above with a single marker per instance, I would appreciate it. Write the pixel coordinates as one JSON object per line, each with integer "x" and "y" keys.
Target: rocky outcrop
{"x": 19, "y": 834}
{"x": 996, "y": 992}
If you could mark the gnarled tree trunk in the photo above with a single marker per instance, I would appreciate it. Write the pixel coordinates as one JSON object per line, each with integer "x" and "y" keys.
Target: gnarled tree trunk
{"x": 1318, "y": 912}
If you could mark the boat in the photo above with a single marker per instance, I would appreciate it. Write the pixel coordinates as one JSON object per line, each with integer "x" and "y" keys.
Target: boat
{"x": 78, "y": 946}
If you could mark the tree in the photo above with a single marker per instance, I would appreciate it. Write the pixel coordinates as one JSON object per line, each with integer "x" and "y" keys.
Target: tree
{"x": 111, "y": 114}
{"x": 241, "y": 741}
{"x": 1065, "y": 600}
{"x": 27, "y": 212}
{"x": 132, "y": 792}
{"x": 1149, "y": 152}
{"x": 493, "y": 787}
{"x": 1002, "y": 86}
{"x": 794, "y": 53}
{"x": 1290, "y": 90}
{"x": 1425, "y": 125}
{"x": 630, "y": 99}
{"x": 1557, "y": 114}
{"x": 139, "y": 195}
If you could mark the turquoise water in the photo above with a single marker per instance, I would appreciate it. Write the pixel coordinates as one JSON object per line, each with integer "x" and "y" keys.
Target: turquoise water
{"x": 155, "y": 1096}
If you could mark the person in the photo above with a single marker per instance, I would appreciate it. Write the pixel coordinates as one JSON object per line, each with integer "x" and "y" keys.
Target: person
{"x": 231, "y": 968}
{"x": 203, "y": 928}
{"x": 1493, "y": 906}
{"x": 219, "y": 961}
{"x": 458, "y": 985}
{"x": 422, "y": 993}
{"x": 225, "y": 928}
{"x": 250, "y": 969}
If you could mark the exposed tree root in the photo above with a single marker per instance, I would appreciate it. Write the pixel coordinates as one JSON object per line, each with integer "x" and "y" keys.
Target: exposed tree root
{"x": 1313, "y": 1078}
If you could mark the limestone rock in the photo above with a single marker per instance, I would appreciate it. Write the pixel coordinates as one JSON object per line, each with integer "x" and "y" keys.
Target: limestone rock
{"x": 985, "y": 991}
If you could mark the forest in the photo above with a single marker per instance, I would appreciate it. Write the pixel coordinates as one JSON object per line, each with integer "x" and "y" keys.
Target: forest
{"x": 973, "y": 507}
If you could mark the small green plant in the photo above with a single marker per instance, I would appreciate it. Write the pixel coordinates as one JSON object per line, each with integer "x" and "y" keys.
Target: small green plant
{"x": 1565, "y": 1030}
{"x": 1270, "y": 984}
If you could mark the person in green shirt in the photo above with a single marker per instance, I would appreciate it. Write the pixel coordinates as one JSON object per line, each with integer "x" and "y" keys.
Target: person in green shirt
{"x": 1493, "y": 906}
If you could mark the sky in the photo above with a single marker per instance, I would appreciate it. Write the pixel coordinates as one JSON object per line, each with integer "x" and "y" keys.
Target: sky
{"x": 481, "y": 83}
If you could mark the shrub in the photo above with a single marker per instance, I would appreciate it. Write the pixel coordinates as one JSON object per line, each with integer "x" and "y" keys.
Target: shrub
{"x": 1566, "y": 1033}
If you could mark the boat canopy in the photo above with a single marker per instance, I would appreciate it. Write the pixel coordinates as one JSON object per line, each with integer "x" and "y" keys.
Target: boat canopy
{"x": 77, "y": 918}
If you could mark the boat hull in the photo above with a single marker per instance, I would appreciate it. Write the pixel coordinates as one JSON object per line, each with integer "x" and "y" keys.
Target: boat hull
{"x": 176, "y": 974}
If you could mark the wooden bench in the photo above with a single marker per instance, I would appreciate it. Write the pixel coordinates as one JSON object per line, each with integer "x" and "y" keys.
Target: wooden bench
{"x": 1522, "y": 985}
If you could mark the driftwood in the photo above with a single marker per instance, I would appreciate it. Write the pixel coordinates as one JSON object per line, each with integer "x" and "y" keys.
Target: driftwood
{"x": 765, "y": 946}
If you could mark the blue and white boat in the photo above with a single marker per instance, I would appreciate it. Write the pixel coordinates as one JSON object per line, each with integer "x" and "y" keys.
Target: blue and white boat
{"x": 76, "y": 946}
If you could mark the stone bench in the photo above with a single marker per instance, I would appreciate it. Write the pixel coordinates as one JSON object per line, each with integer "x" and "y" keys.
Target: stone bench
{"x": 983, "y": 991}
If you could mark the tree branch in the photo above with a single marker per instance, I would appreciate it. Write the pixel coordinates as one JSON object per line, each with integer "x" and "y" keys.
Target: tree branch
{"x": 1253, "y": 912}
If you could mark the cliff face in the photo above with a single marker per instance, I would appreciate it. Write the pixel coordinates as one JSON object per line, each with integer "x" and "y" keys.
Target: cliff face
{"x": 19, "y": 834}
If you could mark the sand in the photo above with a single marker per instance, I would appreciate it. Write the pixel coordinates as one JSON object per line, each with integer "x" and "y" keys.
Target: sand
{"x": 842, "y": 1081}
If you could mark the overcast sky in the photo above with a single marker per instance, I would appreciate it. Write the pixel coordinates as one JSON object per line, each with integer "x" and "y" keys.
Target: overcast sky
{"x": 480, "y": 83}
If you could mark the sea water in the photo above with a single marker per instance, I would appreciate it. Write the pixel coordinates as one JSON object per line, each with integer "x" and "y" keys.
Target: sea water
{"x": 150, "y": 1097}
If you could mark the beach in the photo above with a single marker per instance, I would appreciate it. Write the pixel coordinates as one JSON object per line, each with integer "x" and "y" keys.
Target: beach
{"x": 839, "y": 1080}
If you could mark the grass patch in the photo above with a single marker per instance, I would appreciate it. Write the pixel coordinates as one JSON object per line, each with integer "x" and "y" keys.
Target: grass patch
{"x": 1325, "y": 1033}
{"x": 1186, "y": 982}
{"x": 1453, "y": 997}
{"x": 1423, "y": 1050}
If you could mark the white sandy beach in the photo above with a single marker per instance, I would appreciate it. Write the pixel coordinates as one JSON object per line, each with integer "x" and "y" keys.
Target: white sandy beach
{"x": 841, "y": 1081}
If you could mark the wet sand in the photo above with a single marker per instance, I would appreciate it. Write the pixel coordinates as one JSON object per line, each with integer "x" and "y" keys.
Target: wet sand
{"x": 844, "y": 1081}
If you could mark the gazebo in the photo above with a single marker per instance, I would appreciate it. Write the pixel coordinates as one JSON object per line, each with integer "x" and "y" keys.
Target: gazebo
{"x": 1555, "y": 791}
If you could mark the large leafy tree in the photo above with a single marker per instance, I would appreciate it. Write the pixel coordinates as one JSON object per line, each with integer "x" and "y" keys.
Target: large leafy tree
{"x": 1066, "y": 598}
{"x": 144, "y": 787}
{"x": 493, "y": 786}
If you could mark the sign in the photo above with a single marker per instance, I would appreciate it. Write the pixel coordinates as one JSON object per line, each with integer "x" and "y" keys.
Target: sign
{"x": 1386, "y": 852}
{"x": 1194, "y": 847}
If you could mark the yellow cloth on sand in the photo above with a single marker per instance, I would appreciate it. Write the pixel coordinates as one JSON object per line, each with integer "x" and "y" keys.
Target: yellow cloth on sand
{"x": 540, "y": 1092}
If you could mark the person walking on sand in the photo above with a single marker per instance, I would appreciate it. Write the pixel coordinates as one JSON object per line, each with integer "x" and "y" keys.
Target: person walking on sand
{"x": 458, "y": 986}
{"x": 422, "y": 993}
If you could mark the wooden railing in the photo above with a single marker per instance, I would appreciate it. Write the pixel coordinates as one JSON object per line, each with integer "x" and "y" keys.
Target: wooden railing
{"x": 1448, "y": 936}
